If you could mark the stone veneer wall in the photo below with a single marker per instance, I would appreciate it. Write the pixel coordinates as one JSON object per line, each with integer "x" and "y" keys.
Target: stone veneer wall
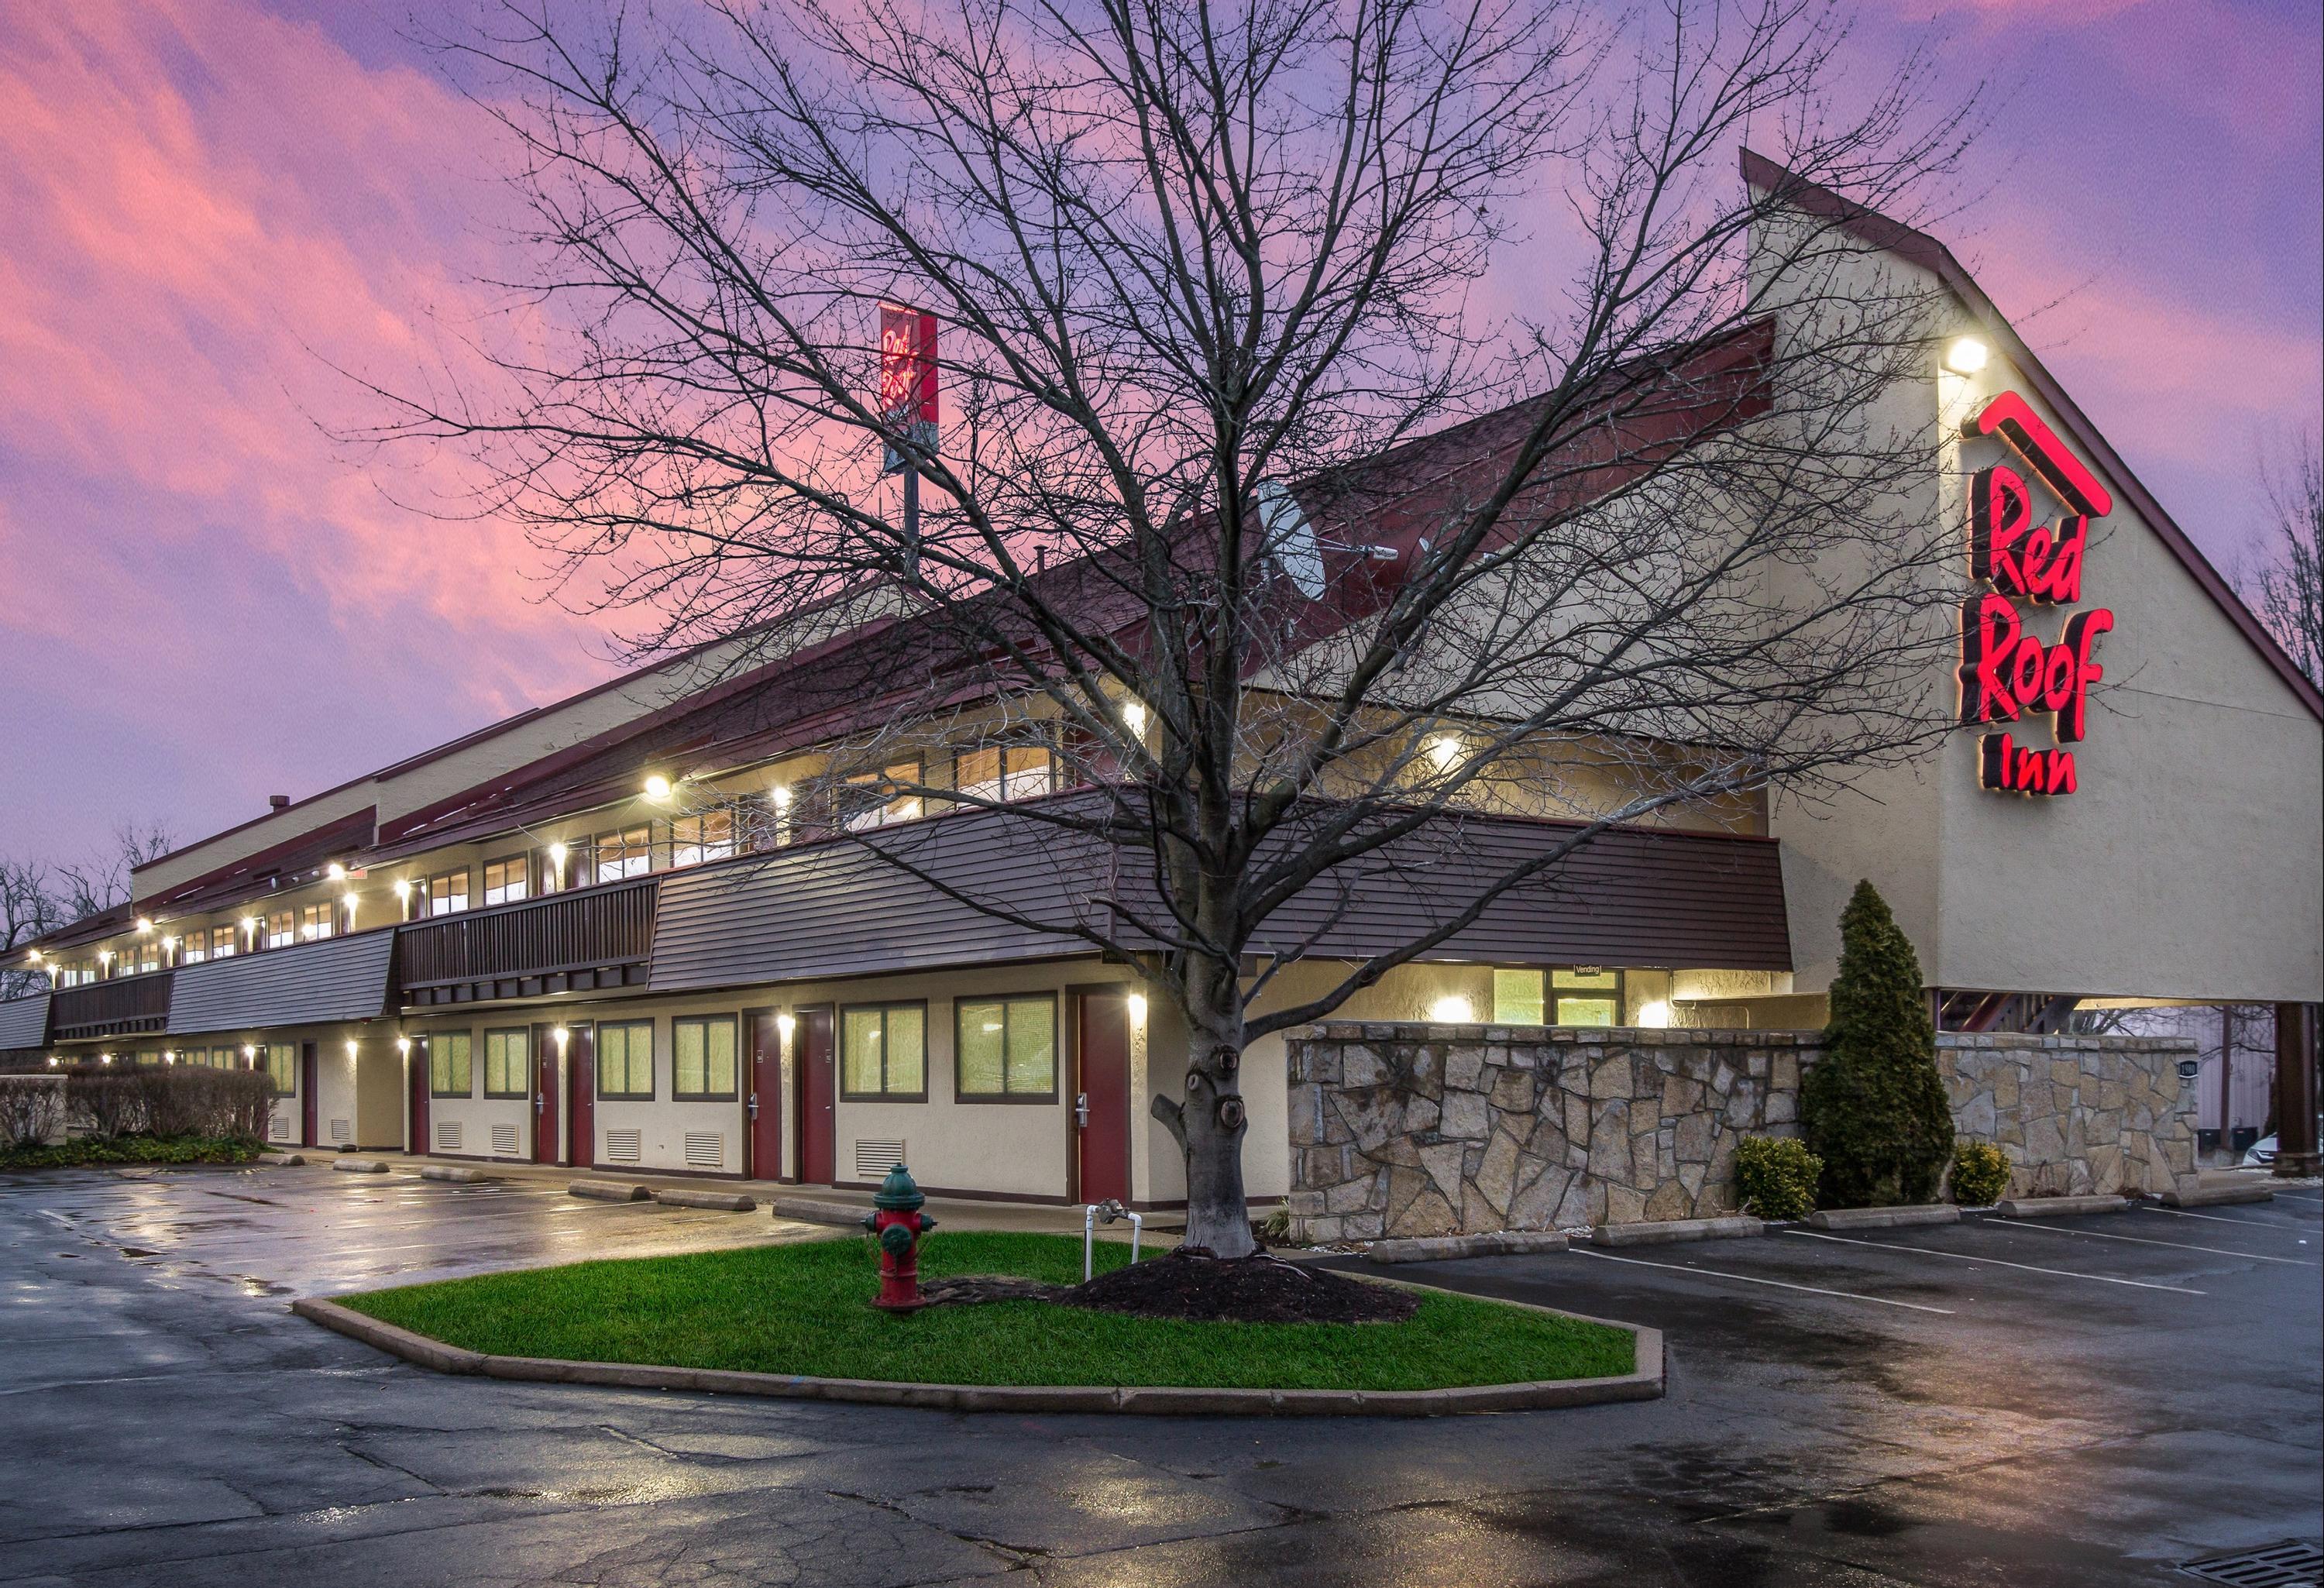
{"x": 1424, "y": 1129}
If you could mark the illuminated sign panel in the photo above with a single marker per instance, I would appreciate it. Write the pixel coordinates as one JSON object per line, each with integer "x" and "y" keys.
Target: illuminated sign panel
{"x": 908, "y": 377}
{"x": 2007, "y": 673}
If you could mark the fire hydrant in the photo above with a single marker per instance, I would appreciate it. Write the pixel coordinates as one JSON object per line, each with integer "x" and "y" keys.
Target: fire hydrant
{"x": 897, "y": 1224}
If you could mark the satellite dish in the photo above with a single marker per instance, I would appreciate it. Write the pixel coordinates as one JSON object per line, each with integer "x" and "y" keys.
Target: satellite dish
{"x": 1291, "y": 538}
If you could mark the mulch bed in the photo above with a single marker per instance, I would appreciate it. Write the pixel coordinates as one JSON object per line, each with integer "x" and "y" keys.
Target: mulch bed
{"x": 1190, "y": 1283}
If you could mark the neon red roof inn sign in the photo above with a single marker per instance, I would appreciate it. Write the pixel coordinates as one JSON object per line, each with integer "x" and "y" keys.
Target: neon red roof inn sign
{"x": 2008, "y": 674}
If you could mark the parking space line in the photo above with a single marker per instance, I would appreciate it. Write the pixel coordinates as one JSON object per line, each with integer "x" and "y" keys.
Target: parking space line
{"x": 1755, "y": 1279}
{"x": 2142, "y": 1240}
{"x": 1997, "y": 1261}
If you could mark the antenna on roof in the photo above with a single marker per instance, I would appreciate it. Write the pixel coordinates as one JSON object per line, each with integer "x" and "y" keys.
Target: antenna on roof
{"x": 1290, "y": 538}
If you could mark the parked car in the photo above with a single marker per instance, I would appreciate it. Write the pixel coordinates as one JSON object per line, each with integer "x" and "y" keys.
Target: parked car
{"x": 2262, "y": 1155}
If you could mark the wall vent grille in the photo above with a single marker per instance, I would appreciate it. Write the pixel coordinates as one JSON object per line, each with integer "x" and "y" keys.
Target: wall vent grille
{"x": 624, "y": 1146}
{"x": 705, "y": 1149}
{"x": 342, "y": 1132}
{"x": 447, "y": 1134}
{"x": 873, "y": 1160}
{"x": 503, "y": 1140}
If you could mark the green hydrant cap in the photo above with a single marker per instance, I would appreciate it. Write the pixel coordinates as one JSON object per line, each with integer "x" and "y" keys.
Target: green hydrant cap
{"x": 897, "y": 1193}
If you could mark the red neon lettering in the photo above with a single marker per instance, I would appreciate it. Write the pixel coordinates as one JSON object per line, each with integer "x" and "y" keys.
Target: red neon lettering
{"x": 2009, "y": 417}
{"x": 2011, "y": 768}
{"x": 2063, "y": 587}
{"x": 1989, "y": 632}
{"x": 2081, "y": 638}
{"x": 1999, "y": 510}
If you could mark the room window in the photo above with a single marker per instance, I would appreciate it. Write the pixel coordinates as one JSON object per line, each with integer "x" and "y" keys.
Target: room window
{"x": 702, "y": 1057}
{"x": 316, "y": 921}
{"x": 505, "y": 880}
{"x": 1010, "y": 771}
{"x": 282, "y": 928}
{"x": 626, "y": 1059}
{"x": 628, "y": 852}
{"x": 447, "y": 892}
{"x": 1586, "y": 996}
{"x": 283, "y": 1068}
{"x": 884, "y": 1052}
{"x": 1006, "y": 1048}
{"x": 451, "y": 1064}
{"x": 507, "y": 1055}
{"x": 694, "y": 839}
{"x": 194, "y": 947}
{"x": 144, "y": 954}
{"x": 866, "y": 800}
{"x": 221, "y": 942}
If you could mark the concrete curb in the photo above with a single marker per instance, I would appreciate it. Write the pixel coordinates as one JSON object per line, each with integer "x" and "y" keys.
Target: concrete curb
{"x": 2218, "y": 1195}
{"x": 609, "y": 1191}
{"x": 809, "y": 1211}
{"x": 720, "y": 1200}
{"x": 288, "y": 1160}
{"x": 458, "y": 1176}
{"x": 1663, "y": 1231}
{"x": 2059, "y": 1207}
{"x": 360, "y": 1166}
{"x": 1451, "y": 1248}
{"x": 1646, "y": 1382}
{"x": 1883, "y": 1218}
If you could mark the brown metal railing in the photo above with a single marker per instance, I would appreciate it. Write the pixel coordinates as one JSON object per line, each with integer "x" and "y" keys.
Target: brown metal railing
{"x": 107, "y": 1008}
{"x": 543, "y": 937}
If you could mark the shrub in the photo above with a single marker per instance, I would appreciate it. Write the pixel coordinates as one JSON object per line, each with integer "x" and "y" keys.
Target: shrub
{"x": 192, "y": 1100}
{"x": 110, "y": 1103}
{"x": 1775, "y": 1177}
{"x": 32, "y": 1110}
{"x": 1980, "y": 1173}
{"x": 1873, "y": 1108}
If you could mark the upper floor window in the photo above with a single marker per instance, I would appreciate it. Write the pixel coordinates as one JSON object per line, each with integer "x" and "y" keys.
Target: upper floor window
{"x": 194, "y": 947}
{"x": 280, "y": 928}
{"x": 1584, "y": 996}
{"x": 1010, "y": 771}
{"x": 221, "y": 942}
{"x": 628, "y": 852}
{"x": 868, "y": 800}
{"x": 447, "y": 892}
{"x": 317, "y": 921}
{"x": 144, "y": 954}
{"x": 505, "y": 879}
{"x": 694, "y": 839}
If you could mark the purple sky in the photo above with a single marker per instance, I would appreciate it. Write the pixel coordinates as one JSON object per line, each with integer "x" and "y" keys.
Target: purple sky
{"x": 203, "y": 600}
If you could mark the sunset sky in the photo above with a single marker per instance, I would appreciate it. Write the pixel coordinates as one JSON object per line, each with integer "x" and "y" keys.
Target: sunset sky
{"x": 208, "y": 204}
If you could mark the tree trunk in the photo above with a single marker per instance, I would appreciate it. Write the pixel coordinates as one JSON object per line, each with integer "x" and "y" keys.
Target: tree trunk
{"x": 1212, "y": 1121}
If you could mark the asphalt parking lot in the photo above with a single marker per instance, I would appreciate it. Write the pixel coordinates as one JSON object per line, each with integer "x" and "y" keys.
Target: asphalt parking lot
{"x": 2089, "y": 1401}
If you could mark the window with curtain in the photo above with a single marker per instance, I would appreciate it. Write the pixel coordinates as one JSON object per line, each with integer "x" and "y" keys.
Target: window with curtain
{"x": 867, "y": 799}
{"x": 703, "y": 1057}
{"x": 221, "y": 942}
{"x": 1006, "y": 1049}
{"x": 317, "y": 921}
{"x": 447, "y": 892}
{"x": 282, "y": 928}
{"x": 505, "y": 879}
{"x": 194, "y": 947}
{"x": 1584, "y": 996}
{"x": 507, "y": 1055}
{"x": 625, "y": 853}
{"x": 1520, "y": 997}
{"x": 883, "y": 1052}
{"x": 282, "y": 1067}
{"x": 707, "y": 836}
{"x": 1007, "y": 771}
{"x": 451, "y": 1064}
{"x": 626, "y": 1059}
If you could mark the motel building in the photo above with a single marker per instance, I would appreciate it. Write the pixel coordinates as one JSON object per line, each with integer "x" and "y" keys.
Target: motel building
{"x": 606, "y": 933}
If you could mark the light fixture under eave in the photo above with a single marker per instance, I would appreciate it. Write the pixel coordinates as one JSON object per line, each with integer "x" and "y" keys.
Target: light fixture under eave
{"x": 336, "y": 872}
{"x": 657, "y": 786}
{"x": 1133, "y": 717}
{"x": 403, "y": 1046}
{"x": 1655, "y": 1015}
{"x": 785, "y": 1024}
{"x": 1452, "y": 1011}
{"x": 144, "y": 923}
{"x": 1137, "y": 1009}
{"x": 1966, "y": 355}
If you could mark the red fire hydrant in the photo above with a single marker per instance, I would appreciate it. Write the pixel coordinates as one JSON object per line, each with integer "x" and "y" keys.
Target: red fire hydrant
{"x": 897, "y": 1224}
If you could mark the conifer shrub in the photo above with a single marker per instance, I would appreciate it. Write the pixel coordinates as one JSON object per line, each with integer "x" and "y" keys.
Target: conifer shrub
{"x": 1775, "y": 1177}
{"x": 1980, "y": 1173}
{"x": 1873, "y": 1107}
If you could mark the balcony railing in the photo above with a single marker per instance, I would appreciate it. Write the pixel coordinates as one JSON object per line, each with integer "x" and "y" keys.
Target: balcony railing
{"x": 125, "y": 1006}
{"x": 601, "y": 937}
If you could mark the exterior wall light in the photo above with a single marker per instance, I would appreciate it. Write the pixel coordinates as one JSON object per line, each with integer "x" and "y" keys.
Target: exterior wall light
{"x": 105, "y": 1059}
{"x": 781, "y": 795}
{"x": 249, "y": 1052}
{"x": 657, "y": 786}
{"x": 1137, "y": 1009}
{"x": 352, "y": 1046}
{"x": 1453, "y": 1010}
{"x": 105, "y": 956}
{"x": 1967, "y": 356}
{"x": 1444, "y": 749}
{"x": 36, "y": 956}
{"x": 52, "y": 1061}
{"x": 403, "y": 1046}
{"x": 336, "y": 872}
{"x": 348, "y": 899}
{"x": 144, "y": 923}
{"x": 785, "y": 1024}
{"x": 1655, "y": 1015}
{"x": 168, "y": 1056}
{"x": 403, "y": 887}
{"x": 1133, "y": 716}
{"x": 563, "y": 1034}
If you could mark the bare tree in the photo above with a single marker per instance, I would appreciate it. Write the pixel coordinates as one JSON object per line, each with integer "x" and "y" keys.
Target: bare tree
{"x": 1289, "y": 547}
{"x": 91, "y": 887}
{"x": 28, "y": 910}
{"x": 2287, "y": 585}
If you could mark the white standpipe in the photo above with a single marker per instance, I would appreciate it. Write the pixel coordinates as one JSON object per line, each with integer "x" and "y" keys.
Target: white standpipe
{"x": 1106, "y": 1212}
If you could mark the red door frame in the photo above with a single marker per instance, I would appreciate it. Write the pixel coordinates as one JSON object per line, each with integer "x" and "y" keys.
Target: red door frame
{"x": 581, "y": 1088}
{"x": 544, "y": 1093}
{"x": 1102, "y": 1074}
{"x": 762, "y": 1136}
{"x": 310, "y": 1071}
{"x": 416, "y": 1079}
{"x": 818, "y": 1096}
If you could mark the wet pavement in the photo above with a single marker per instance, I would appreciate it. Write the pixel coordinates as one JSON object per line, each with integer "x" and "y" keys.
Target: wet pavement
{"x": 2091, "y": 1401}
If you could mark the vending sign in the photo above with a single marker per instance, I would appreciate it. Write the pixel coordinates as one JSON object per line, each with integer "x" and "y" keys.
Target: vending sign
{"x": 908, "y": 379}
{"x": 2008, "y": 673}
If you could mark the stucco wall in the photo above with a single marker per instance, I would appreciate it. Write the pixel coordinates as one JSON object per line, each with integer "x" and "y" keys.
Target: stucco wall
{"x": 1400, "y": 1130}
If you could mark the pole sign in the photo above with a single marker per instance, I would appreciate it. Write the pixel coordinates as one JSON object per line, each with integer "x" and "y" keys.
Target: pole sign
{"x": 908, "y": 379}
{"x": 2007, "y": 673}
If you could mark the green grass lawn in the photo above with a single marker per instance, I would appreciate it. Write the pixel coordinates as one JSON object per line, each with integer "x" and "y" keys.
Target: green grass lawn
{"x": 804, "y": 1308}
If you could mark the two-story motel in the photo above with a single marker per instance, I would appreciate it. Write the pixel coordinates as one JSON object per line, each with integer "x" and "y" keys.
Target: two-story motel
{"x": 597, "y": 933}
